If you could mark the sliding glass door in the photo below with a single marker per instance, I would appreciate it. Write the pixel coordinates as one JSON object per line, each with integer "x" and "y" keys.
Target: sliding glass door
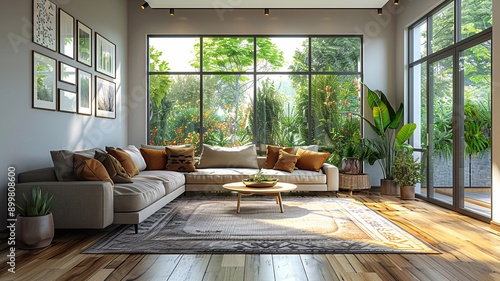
{"x": 475, "y": 89}
{"x": 450, "y": 98}
{"x": 441, "y": 133}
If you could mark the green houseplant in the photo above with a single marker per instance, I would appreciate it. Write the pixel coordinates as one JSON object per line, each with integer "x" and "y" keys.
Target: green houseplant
{"x": 356, "y": 151}
{"x": 35, "y": 224}
{"x": 386, "y": 122}
{"x": 407, "y": 173}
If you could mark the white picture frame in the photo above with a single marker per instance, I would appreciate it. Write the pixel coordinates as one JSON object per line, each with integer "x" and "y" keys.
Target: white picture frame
{"x": 67, "y": 101}
{"x": 66, "y": 34}
{"x": 105, "y": 58}
{"x": 105, "y": 101}
{"x": 84, "y": 91}
{"x": 67, "y": 73}
{"x": 44, "y": 82}
{"x": 45, "y": 24}
{"x": 84, "y": 43}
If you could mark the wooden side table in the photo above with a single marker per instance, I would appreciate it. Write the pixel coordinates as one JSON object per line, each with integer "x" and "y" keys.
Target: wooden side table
{"x": 354, "y": 182}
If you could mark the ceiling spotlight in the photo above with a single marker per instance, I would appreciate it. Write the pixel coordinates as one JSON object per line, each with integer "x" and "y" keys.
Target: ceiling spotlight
{"x": 172, "y": 12}
{"x": 145, "y": 5}
{"x": 379, "y": 11}
{"x": 266, "y": 12}
{"x": 396, "y": 2}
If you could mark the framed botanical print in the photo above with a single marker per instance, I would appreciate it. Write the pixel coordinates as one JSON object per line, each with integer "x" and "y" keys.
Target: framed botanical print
{"x": 84, "y": 90}
{"x": 66, "y": 34}
{"x": 45, "y": 24}
{"x": 105, "y": 58}
{"x": 84, "y": 44}
{"x": 67, "y": 101}
{"x": 44, "y": 82}
{"x": 67, "y": 73}
{"x": 105, "y": 98}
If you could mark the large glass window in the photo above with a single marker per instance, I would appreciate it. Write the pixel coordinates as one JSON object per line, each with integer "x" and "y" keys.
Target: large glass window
{"x": 450, "y": 91}
{"x": 236, "y": 90}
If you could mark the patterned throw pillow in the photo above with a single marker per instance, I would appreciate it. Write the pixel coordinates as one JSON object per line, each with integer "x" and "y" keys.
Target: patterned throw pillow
{"x": 273, "y": 153}
{"x": 310, "y": 160}
{"x": 286, "y": 161}
{"x": 115, "y": 170}
{"x": 180, "y": 159}
{"x": 90, "y": 169}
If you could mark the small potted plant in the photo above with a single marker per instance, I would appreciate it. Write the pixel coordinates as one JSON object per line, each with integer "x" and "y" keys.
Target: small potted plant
{"x": 35, "y": 224}
{"x": 407, "y": 173}
{"x": 355, "y": 153}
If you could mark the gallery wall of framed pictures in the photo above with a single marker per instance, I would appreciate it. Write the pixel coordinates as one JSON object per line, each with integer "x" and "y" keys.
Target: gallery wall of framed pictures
{"x": 68, "y": 86}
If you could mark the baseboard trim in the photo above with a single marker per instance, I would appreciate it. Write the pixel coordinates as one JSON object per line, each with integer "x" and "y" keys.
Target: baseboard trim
{"x": 495, "y": 225}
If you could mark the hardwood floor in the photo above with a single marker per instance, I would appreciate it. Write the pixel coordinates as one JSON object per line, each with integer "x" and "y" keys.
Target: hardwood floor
{"x": 470, "y": 251}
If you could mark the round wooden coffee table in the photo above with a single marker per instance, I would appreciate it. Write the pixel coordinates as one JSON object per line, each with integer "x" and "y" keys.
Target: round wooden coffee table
{"x": 274, "y": 191}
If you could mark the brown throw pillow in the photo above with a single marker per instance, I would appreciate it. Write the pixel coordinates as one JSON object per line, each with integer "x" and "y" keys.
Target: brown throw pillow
{"x": 155, "y": 159}
{"x": 115, "y": 170}
{"x": 273, "y": 153}
{"x": 310, "y": 160}
{"x": 125, "y": 159}
{"x": 90, "y": 169}
{"x": 180, "y": 159}
{"x": 286, "y": 161}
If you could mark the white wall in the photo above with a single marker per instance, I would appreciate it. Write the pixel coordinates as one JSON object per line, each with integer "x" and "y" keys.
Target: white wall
{"x": 378, "y": 40}
{"x": 27, "y": 134}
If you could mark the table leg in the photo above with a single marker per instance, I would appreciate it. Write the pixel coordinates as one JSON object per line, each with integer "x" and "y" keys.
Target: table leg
{"x": 277, "y": 199}
{"x": 239, "y": 202}
{"x": 280, "y": 202}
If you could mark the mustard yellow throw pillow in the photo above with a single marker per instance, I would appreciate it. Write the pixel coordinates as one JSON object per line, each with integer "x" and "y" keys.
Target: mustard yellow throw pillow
{"x": 311, "y": 160}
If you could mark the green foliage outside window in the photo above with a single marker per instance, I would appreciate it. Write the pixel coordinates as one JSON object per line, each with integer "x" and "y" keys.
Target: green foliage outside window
{"x": 281, "y": 106}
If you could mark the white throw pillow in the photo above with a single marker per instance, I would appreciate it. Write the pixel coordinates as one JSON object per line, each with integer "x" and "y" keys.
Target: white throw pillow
{"x": 136, "y": 156}
{"x": 228, "y": 157}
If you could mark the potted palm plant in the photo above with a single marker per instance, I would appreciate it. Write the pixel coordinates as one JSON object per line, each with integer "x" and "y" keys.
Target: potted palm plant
{"x": 35, "y": 224}
{"x": 386, "y": 122}
{"x": 407, "y": 173}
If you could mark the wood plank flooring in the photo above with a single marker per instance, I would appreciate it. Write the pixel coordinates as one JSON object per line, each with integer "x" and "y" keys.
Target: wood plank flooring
{"x": 470, "y": 251}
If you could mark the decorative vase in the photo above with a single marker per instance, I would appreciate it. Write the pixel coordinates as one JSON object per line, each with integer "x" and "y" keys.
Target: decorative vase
{"x": 34, "y": 232}
{"x": 389, "y": 187}
{"x": 407, "y": 192}
{"x": 351, "y": 165}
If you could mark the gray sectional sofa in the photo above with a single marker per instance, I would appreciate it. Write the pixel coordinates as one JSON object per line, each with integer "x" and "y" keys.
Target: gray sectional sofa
{"x": 98, "y": 204}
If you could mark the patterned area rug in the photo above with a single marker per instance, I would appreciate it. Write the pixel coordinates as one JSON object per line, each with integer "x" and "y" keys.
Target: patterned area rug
{"x": 308, "y": 225}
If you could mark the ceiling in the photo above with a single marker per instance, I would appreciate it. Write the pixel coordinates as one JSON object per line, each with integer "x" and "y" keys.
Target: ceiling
{"x": 272, "y": 4}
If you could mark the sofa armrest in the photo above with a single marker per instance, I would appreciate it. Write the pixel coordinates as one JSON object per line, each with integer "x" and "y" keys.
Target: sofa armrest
{"x": 332, "y": 177}
{"x": 76, "y": 204}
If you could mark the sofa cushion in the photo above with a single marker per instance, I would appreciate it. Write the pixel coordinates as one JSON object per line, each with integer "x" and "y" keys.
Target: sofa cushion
{"x": 297, "y": 176}
{"x": 286, "y": 161}
{"x": 273, "y": 153}
{"x": 171, "y": 180}
{"x": 63, "y": 162}
{"x": 180, "y": 159}
{"x": 155, "y": 159}
{"x": 218, "y": 175}
{"x": 115, "y": 170}
{"x": 131, "y": 197}
{"x": 228, "y": 157}
{"x": 90, "y": 169}
{"x": 310, "y": 160}
{"x": 136, "y": 156}
{"x": 125, "y": 159}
